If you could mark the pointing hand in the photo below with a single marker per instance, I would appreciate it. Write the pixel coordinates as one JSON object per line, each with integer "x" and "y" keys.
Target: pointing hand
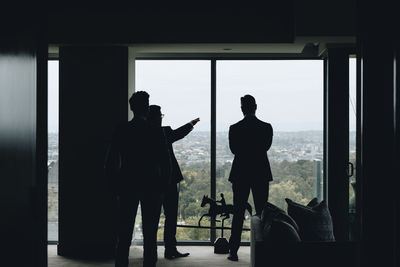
{"x": 195, "y": 121}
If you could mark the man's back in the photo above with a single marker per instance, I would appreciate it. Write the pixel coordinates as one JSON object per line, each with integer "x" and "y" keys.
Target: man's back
{"x": 140, "y": 148}
{"x": 249, "y": 141}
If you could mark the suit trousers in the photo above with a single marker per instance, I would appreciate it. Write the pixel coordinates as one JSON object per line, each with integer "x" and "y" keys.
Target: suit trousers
{"x": 150, "y": 203}
{"x": 170, "y": 205}
{"x": 241, "y": 192}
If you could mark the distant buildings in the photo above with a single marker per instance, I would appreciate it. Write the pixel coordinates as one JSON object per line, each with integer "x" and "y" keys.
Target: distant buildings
{"x": 290, "y": 146}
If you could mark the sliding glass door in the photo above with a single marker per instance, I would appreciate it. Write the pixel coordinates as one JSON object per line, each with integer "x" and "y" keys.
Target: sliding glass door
{"x": 289, "y": 95}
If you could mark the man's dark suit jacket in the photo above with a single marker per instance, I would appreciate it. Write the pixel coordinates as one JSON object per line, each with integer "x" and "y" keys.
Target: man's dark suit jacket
{"x": 249, "y": 141}
{"x": 138, "y": 158}
{"x": 172, "y": 136}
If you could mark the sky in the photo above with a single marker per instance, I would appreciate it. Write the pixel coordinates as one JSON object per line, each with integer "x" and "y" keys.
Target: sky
{"x": 289, "y": 93}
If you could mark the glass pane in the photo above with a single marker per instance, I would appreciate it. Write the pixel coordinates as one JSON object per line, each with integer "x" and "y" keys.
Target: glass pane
{"x": 52, "y": 163}
{"x": 182, "y": 89}
{"x": 289, "y": 95}
{"x": 352, "y": 143}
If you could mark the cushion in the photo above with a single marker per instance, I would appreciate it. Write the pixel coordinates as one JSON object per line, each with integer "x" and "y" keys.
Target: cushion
{"x": 314, "y": 221}
{"x": 278, "y": 226}
{"x": 270, "y": 211}
{"x": 278, "y": 231}
{"x": 313, "y": 202}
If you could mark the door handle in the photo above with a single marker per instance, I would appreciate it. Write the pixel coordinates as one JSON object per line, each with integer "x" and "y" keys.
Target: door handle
{"x": 350, "y": 171}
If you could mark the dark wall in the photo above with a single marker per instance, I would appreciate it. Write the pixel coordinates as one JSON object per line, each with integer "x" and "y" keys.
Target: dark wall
{"x": 23, "y": 137}
{"x": 93, "y": 99}
{"x": 379, "y": 164}
{"x": 325, "y": 18}
{"x": 208, "y": 22}
{"x": 22, "y": 153}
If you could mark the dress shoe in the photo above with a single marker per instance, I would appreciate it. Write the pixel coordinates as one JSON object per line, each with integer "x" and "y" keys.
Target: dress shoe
{"x": 233, "y": 257}
{"x": 173, "y": 254}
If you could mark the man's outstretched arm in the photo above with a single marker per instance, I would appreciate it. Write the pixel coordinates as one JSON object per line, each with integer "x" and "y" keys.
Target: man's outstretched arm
{"x": 182, "y": 131}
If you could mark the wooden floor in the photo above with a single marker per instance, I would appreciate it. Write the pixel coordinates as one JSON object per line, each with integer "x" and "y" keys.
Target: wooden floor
{"x": 199, "y": 256}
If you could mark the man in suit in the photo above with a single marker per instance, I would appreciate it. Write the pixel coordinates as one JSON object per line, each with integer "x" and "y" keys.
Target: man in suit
{"x": 170, "y": 201}
{"x": 137, "y": 164}
{"x": 249, "y": 141}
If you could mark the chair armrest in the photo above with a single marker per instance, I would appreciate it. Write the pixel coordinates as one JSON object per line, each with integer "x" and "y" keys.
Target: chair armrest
{"x": 256, "y": 227}
{"x": 256, "y": 241}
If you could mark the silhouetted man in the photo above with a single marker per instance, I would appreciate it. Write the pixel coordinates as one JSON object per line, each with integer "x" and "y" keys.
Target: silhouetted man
{"x": 249, "y": 141}
{"x": 170, "y": 202}
{"x": 137, "y": 163}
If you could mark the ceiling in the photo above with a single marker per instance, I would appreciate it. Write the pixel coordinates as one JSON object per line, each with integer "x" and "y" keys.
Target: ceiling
{"x": 318, "y": 44}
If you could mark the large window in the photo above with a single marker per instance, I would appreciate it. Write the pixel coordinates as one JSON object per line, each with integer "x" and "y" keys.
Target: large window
{"x": 289, "y": 94}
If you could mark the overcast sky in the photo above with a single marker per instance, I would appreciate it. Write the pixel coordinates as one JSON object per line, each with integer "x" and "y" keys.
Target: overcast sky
{"x": 289, "y": 93}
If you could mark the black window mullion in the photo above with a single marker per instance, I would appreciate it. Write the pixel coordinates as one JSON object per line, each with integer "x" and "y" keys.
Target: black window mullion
{"x": 213, "y": 141}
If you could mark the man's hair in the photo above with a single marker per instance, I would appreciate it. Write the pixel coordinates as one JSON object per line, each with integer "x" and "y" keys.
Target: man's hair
{"x": 248, "y": 103}
{"x": 154, "y": 112}
{"x": 139, "y": 102}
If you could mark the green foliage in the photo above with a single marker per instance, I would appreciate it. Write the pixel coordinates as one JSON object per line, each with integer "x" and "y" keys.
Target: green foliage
{"x": 294, "y": 180}
{"x": 183, "y": 233}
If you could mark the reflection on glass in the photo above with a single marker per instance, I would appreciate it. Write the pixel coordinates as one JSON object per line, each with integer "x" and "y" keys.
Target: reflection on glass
{"x": 289, "y": 95}
{"x": 182, "y": 89}
{"x": 52, "y": 163}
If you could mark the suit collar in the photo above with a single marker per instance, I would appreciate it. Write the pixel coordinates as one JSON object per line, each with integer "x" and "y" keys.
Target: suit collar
{"x": 249, "y": 117}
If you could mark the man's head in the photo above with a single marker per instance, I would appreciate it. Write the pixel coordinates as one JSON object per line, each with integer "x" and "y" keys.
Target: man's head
{"x": 154, "y": 117}
{"x": 139, "y": 103}
{"x": 248, "y": 105}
